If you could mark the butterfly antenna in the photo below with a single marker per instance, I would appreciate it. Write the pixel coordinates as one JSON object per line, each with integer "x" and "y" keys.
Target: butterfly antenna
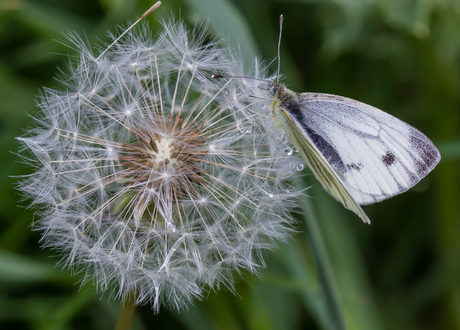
{"x": 144, "y": 15}
{"x": 279, "y": 46}
{"x": 217, "y": 76}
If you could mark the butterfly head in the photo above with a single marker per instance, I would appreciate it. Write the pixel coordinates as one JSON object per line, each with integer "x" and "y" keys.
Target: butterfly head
{"x": 276, "y": 88}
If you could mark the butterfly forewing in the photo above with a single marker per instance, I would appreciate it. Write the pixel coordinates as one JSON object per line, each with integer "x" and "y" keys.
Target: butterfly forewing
{"x": 380, "y": 155}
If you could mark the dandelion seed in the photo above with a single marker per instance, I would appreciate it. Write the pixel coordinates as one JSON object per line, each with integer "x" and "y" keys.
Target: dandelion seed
{"x": 154, "y": 179}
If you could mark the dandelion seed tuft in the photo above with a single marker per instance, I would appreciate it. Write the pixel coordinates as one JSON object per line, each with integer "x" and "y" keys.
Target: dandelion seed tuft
{"x": 154, "y": 179}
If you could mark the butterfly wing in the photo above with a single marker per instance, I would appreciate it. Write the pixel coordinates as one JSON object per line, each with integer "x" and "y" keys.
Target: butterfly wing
{"x": 315, "y": 159}
{"x": 374, "y": 154}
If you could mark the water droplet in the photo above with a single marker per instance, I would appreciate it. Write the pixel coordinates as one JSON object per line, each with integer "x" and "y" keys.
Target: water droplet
{"x": 291, "y": 165}
{"x": 296, "y": 150}
{"x": 288, "y": 151}
{"x": 271, "y": 196}
{"x": 300, "y": 167}
{"x": 249, "y": 130}
{"x": 170, "y": 226}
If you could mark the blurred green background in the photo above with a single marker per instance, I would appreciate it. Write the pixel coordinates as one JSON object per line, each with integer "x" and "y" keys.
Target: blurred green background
{"x": 401, "y": 272}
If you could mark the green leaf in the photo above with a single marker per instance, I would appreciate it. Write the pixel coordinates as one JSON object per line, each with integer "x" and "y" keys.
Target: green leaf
{"x": 226, "y": 19}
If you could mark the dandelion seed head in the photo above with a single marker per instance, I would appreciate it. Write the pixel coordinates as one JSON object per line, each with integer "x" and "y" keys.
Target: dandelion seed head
{"x": 154, "y": 179}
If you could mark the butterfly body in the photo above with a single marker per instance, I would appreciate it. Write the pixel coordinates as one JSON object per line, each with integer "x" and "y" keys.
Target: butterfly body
{"x": 360, "y": 154}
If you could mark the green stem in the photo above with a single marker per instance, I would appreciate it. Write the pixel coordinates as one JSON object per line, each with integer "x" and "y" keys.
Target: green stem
{"x": 125, "y": 318}
{"x": 326, "y": 275}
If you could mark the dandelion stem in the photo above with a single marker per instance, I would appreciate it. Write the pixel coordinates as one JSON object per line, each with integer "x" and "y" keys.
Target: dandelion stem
{"x": 125, "y": 318}
{"x": 336, "y": 315}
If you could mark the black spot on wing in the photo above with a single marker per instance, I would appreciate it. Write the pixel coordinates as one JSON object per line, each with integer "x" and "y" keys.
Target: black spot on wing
{"x": 327, "y": 150}
{"x": 388, "y": 159}
{"x": 355, "y": 166}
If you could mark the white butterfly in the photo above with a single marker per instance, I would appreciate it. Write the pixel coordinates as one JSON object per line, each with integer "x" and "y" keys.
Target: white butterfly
{"x": 360, "y": 154}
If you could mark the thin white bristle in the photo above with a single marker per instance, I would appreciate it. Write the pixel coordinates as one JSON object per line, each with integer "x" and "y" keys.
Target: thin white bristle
{"x": 148, "y": 12}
